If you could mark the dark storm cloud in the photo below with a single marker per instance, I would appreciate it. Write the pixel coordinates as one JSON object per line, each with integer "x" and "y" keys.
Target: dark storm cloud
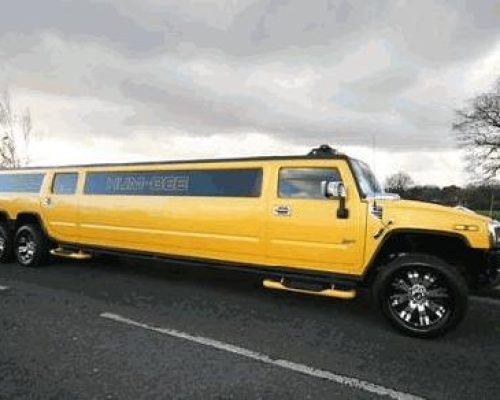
{"x": 297, "y": 70}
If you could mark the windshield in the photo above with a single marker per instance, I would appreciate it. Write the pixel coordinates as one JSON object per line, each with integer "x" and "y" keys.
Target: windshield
{"x": 368, "y": 183}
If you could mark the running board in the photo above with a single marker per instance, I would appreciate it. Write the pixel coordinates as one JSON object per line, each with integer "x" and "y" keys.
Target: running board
{"x": 328, "y": 292}
{"x": 76, "y": 255}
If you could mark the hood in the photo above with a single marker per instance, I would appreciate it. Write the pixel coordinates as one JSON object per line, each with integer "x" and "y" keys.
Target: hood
{"x": 430, "y": 215}
{"x": 393, "y": 214}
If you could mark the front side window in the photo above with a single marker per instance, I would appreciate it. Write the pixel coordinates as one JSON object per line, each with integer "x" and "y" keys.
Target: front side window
{"x": 65, "y": 183}
{"x": 305, "y": 183}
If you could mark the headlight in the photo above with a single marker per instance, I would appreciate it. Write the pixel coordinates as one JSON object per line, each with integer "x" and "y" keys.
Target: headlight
{"x": 494, "y": 228}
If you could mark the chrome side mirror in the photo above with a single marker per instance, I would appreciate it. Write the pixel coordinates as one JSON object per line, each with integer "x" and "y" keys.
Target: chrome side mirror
{"x": 334, "y": 190}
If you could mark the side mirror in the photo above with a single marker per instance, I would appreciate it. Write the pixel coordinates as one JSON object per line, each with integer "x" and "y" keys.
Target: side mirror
{"x": 335, "y": 190}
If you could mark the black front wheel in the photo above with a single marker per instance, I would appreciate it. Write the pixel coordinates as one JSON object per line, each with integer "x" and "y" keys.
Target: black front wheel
{"x": 421, "y": 295}
{"x": 31, "y": 246}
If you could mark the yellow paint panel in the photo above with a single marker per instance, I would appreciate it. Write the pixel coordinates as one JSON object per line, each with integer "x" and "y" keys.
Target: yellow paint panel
{"x": 243, "y": 230}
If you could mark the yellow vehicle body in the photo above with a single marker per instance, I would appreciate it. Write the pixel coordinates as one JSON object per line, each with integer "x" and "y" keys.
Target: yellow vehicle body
{"x": 317, "y": 224}
{"x": 237, "y": 229}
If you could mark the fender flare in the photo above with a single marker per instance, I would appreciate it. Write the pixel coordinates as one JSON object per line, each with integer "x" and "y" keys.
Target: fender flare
{"x": 371, "y": 265}
{"x": 4, "y": 214}
{"x": 37, "y": 216}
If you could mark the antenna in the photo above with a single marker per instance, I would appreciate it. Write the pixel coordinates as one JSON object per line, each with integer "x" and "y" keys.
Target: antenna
{"x": 374, "y": 153}
{"x": 374, "y": 163}
{"x": 492, "y": 201}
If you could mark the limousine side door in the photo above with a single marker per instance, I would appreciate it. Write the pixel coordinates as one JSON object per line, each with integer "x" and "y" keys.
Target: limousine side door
{"x": 303, "y": 228}
{"x": 59, "y": 205}
{"x": 206, "y": 211}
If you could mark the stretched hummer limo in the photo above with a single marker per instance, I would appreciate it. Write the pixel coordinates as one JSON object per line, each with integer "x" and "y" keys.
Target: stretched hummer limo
{"x": 317, "y": 224}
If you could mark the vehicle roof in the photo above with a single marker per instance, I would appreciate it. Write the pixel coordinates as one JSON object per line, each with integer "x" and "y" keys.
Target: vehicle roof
{"x": 326, "y": 156}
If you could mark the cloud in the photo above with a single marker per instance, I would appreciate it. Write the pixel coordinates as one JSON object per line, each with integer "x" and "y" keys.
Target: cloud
{"x": 77, "y": 20}
{"x": 293, "y": 72}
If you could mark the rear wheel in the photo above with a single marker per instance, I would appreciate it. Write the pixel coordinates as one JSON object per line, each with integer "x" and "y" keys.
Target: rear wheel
{"x": 31, "y": 246}
{"x": 5, "y": 244}
{"x": 421, "y": 295}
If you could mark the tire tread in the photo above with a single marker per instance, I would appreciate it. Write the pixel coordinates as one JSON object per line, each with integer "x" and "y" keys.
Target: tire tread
{"x": 42, "y": 244}
{"x": 451, "y": 273}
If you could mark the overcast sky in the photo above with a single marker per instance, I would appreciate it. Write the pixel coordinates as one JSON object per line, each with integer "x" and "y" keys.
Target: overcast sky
{"x": 121, "y": 80}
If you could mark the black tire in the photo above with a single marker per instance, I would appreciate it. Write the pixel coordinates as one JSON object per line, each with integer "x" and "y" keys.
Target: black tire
{"x": 5, "y": 244}
{"x": 403, "y": 290}
{"x": 31, "y": 246}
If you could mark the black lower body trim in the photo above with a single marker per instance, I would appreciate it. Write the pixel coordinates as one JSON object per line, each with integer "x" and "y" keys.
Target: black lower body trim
{"x": 341, "y": 280}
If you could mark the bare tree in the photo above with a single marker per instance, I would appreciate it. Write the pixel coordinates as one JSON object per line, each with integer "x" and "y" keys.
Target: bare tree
{"x": 398, "y": 183}
{"x": 15, "y": 132}
{"x": 478, "y": 131}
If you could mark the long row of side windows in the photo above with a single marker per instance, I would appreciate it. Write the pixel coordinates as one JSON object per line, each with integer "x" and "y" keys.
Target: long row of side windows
{"x": 302, "y": 183}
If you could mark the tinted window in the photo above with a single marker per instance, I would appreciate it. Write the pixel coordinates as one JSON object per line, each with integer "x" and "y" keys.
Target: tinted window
{"x": 65, "y": 183}
{"x": 305, "y": 183}
{"x": 26, "y": 183}
{"x": 228, "y": 182}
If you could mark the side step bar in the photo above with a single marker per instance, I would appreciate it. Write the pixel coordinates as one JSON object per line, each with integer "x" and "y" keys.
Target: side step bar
{"x": 325, "y": 292}
{"x": 76, "y": 255}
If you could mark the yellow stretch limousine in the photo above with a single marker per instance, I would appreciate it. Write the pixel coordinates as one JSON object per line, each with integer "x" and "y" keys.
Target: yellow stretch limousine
{"x": 317, "y": 224}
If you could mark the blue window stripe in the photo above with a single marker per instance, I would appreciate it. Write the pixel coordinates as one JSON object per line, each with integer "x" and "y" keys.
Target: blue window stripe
{"x": 23, "y": 183}
{"x": 227, "y": 182}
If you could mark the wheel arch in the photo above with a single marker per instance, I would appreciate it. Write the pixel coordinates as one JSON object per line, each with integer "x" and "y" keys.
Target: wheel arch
{"x": 453, "y": 248}
{"x": 5, "y": 218}
{"x": 25, "y": 217}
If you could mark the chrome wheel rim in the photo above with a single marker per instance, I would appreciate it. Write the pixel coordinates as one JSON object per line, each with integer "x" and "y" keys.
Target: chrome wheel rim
{"x": 419, "y": 298}
{"x": 26, "y": 248}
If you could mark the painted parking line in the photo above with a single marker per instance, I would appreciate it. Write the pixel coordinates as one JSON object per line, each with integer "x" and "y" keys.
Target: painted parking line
{"x": 4, "y": 287}
{"x": 285, "y": 364}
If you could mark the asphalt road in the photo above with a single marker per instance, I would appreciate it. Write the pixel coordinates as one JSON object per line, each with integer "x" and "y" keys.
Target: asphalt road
{"x": 118, "y": 329}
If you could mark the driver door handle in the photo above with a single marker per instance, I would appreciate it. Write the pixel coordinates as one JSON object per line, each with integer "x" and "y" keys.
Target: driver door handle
{"x": 282, "y": 210}
{"x": 46, "y": 201}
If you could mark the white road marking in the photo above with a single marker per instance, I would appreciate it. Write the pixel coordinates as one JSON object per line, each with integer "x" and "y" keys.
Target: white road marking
{"x": 4, "y": 287}
{"x": 289, "y": 365}
{"x": 486, "y": 300}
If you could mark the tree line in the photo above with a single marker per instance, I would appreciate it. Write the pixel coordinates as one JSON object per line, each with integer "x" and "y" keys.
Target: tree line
{"x": 482, "y": 197}
{"x": 15, "y": 133}
{"x": 477, "y": 129}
